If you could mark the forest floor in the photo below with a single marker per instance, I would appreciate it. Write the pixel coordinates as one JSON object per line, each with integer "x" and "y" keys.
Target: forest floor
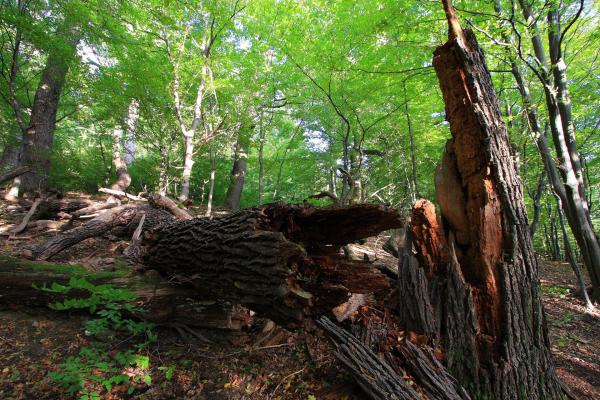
{"x": 264, "y": 362}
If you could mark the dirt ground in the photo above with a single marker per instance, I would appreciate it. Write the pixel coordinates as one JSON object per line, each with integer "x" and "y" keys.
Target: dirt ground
{"x": 264, "y": 362}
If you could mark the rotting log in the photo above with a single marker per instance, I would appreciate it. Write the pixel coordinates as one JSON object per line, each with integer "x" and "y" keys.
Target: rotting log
{"x": 157, "y": 300}
{"x": 281, "y": 261}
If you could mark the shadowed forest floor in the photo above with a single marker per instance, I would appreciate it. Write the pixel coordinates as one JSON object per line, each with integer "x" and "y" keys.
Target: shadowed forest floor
{"x": 265, "y": 362}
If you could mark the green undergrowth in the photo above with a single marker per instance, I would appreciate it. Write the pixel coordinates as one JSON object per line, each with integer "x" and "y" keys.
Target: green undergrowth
{"x": 116, "y": 353}
{"x": 74, "y": 270}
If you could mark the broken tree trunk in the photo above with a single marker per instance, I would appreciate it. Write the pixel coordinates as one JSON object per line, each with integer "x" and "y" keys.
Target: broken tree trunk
{"x": 490, "y": 314}
{"x": 157, "y": 300}
{"x": 279, "y": 260}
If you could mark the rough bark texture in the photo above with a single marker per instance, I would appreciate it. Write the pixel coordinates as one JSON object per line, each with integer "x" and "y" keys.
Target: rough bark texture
{"x": 123, "y": 179}
{"x": 378, "y": 380}
{"x": 238, "y": 173}
{"x": 39, "y": 136}
{"x": 279, "y": 260}
{"x": 159, "y": 301}
{"x": 491, "y": 317}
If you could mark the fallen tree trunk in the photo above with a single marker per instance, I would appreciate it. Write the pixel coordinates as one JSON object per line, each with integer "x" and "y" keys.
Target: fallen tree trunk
{"x": 157, "y": 300}
{"x": 279, "y": 260}
{"x": 13, "y": 174}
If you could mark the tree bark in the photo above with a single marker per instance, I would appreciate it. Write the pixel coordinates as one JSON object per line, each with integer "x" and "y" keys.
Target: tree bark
{"x": 39, "y": 136}
{"x": 238, "y": 172}
{"x": 278, "y": 260}
{"x": 571, "y": 257}
{"x": 491, "y": 316}
{"x": 133, "y": 114}
{"x": 211, "y": 190}
{"x": 555, "y": 86}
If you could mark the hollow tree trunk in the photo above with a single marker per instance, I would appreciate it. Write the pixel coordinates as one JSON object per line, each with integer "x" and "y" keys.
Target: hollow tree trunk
{"x": 281, "y": 261}
{"x": 238, "y": 172}
{"x": 490, "y": 316}
{"x": 39, "y": 136}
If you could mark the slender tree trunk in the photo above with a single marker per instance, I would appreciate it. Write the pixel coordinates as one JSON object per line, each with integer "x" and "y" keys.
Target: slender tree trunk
{"x": 411, "y": 137}
{"x": 573, "y": 198}
{"x": 133, "y": 115}
{"x": 570, "y": 256}
{"x": 211, "y": 191}
{"x": 123, "y": 179}
{"x": 537, "y": 206}
{"x": 261, "y": 164}
{"x": 238, "y": 172}
{"x": 39, "y": 136}
{"x": 187, "y": 167}
{"x": 490, "y": 315}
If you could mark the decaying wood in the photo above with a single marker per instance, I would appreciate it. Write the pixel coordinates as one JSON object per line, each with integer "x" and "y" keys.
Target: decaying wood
{"x": 279, "y": 260}
{"x": 96, "y": 227}
{"x": 23, "y": 225}
{"x": 158, "y": 300}
{"x": 481, "y": 263}
{"x": 13, "y": 174}
{"x": 159, "y": 201}
{"x": 53, "y": 207}
{"x": 431, "y": 376}
{"x": 92, "y": 209}
{"x": 378, "y": 380}
{"x": 120, "y": 193}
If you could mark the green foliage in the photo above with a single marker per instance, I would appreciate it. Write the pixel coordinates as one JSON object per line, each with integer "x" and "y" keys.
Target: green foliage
{"x": 96, "y": 366}
{"x": 321, "y": 81}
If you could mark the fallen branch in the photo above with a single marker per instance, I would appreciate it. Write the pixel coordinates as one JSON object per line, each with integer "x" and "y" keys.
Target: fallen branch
{"x": 23, "y": 225}
{"x": 119, "y": 193}
{"x": 13, "y": 174}
{"x": 96, "y": 227}
{"x": 92, "y": 209}
{"x": 159, "y": 201}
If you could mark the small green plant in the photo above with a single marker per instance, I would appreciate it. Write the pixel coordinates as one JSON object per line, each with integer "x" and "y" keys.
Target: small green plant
{"x": 96, "y": 366}
{"x": 560, "y": 291}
